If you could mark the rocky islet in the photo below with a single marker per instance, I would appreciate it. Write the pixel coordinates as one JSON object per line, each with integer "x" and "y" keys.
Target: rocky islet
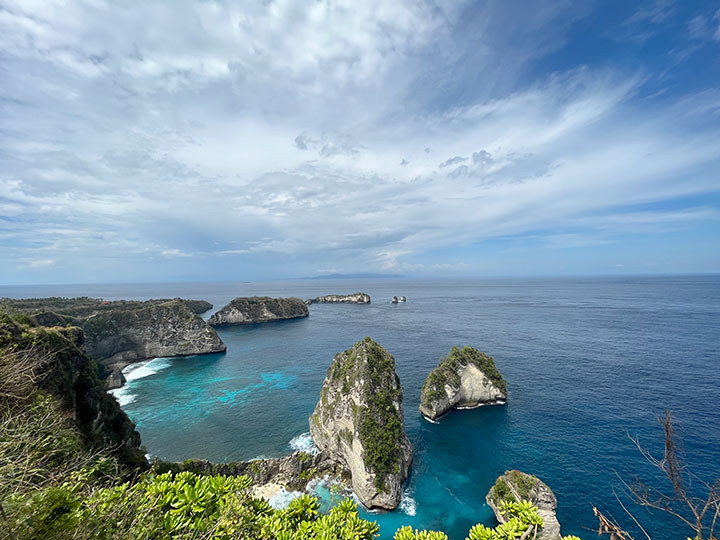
{"x": 359, "y": 422}
{"x": 465, "y": 378}
{"x": 259, "y": 309}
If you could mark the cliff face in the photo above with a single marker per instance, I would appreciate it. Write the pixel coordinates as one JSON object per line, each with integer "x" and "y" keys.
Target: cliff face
{"x": 119, "y": 337}
{"x": 355, "y": 298}
{"x": 120, "y": 332}
{"x": 519, "y": 486}
{"x": 49, "y": 360}
{"x": 466, "y": 378}
{"x": 258, "y": 309}
{"x": 359, "y": 422}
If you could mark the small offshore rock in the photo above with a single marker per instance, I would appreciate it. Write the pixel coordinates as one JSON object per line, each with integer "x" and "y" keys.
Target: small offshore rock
{"x": 116, "y": 379}
{"x": 359, "y": 422}
{"x": 355, "y": 298}
{"x": 259, "y": 309}
{"x": 466, "y": 378}
{"x": 518, "y": 486}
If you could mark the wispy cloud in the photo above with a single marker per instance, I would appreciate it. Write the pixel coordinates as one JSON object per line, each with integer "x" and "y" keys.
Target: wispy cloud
{"x": 284, "y": 137}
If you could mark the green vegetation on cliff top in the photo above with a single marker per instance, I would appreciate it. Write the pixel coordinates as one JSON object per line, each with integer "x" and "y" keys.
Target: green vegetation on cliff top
{"x": 255, "y": 306}
{"x": 522, "y": 484}
{"x": 60, "y": 311}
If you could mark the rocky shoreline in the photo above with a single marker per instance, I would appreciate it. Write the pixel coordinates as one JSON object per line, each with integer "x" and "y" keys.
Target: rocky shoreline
{"x": 293, "y": 472}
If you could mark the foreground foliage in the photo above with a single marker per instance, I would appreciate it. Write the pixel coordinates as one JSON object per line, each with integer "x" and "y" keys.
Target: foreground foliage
{"x": 187, "y": 505}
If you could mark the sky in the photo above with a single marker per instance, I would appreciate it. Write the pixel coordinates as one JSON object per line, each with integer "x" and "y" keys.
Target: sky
{"x": 212, "y": 140}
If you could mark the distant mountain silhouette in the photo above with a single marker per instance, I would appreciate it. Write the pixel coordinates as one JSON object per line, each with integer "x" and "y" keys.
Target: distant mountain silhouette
{"x": 367, "y": 275}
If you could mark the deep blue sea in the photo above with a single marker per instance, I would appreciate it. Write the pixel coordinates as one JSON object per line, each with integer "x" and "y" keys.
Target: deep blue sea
{"x": 589, "y": 362}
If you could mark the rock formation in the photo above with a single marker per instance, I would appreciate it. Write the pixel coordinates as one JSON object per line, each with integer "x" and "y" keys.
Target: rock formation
{"x": 259, "y": 309}
{"x": 124, "y": 331}
{"x": 355, "y": 298}
{"x": 119, "y": 337}
{"x": 116, "y": 379}
{"x": 467, "y": 378}
{"x": 519, "y": 486}
{"x": 359, "y": 422}
{"x": 292, "y": 472}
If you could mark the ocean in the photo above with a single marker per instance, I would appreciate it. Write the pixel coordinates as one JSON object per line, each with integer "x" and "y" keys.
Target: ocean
{"x": 590, "y": 363}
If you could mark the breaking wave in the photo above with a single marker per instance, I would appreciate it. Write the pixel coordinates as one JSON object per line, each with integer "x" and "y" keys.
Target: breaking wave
{"x": 304, "y": 443}
{"x": 124, "y": 395}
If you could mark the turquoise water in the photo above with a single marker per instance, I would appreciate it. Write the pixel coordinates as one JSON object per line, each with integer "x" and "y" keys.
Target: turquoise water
{"x": 588, "y": 361}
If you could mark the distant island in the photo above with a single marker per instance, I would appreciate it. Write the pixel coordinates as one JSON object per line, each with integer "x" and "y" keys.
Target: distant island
{"x": 368, "y": 275}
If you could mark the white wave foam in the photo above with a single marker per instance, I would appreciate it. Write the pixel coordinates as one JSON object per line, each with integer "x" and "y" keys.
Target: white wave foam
{"x": 124, "y": 395}
{"x": 304, "y": 443}
{"x": 133, "y": 372}
{"x": 282, "y": 498}
{"x": 496, "y": 402}
{"x": 408, "y": 504}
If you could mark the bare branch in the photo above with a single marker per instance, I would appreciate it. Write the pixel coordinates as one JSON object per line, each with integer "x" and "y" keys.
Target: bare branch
{"x": 608, "y": 526}
{"x": 631, "y": 515}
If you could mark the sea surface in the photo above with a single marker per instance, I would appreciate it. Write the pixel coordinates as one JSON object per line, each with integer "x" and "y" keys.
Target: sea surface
{"x": 590, "y": 362}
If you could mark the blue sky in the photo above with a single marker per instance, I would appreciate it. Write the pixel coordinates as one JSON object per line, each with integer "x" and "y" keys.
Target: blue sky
{"x": 211, "y": 140}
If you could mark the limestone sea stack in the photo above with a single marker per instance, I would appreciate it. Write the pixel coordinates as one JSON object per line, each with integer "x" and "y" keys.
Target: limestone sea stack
{"x": 259, "y": 309}
{"x": 355, "y": 298}
{"x": 466, "y": 378}
{"x": 359, "y": 422}
{"x": 519, "y": 486}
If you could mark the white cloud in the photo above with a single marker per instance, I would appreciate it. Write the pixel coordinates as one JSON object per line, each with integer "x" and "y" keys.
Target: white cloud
{"x": 174, "y": 253}
{"x": 276, "y": 131}
{"x": 38, "y": 263}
